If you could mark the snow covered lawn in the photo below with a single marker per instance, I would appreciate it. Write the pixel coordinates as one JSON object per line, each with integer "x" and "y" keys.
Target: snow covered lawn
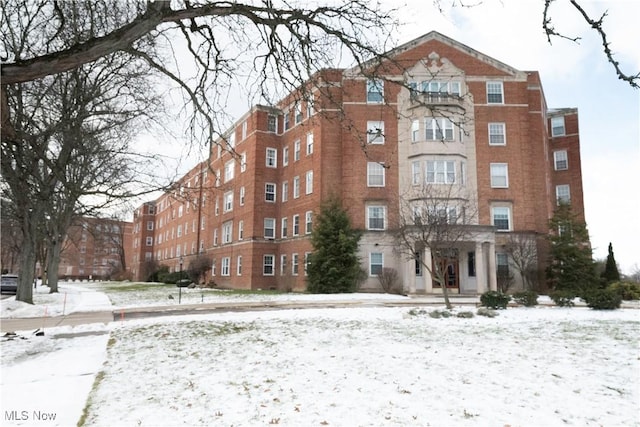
{"x": 372, "y": 367}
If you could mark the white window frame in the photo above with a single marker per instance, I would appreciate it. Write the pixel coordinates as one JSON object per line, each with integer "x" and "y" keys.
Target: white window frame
{"x": 379, "y": 264}
{"x": 296, "y": 225}
{"x": 497, "y": 134}
{"x": 225, "y": 266}
{"x": 270, "y": 190}
{"x": 416, "y": 172}
{"x": 375, "y": 132}
{"x": 294, "y": 264}
{"x": 285, "y": 191}
{"x": 227, "y": 232}
{"x": 296, "y": 187}
{"x": 229, "y": 170}
{"x": 563, "y": 194}
{"x": 296, "y": 150}
{"x": 297, "y": 113}
{"x": 227, "y": 206}
{"x": 241, "y": 230}
{"x": 308, "y": 222}
{"x": 309, "y": 143}
{"x": 495, "y": 88}
{"x": 272, "y": 123}
{"x": 415, "y": 130}
{"x": 438, "y": 129}
{"x": 266, "y": 264}
{"x": 271, "y": 157}
{"x": 558, "y": 128}
{"x": 440, "y": 172}
{"x": 283, "y": 264}
{"x": 375, "y": 91}
{"x": 499, "y": 212}
{"x": 242, "y": 196}
{"x": 269, "y": 228}
{"x": 285, "y": 156}
{"x": 494, "y": 168}
{"x": 284, "y": 227}
{"x": 375, "y": 174}
{"x": 372, "y": 214}
{"x": 239, "y": 265}
{"x": 309, "y": 182}
{"x": 561, "y": 160}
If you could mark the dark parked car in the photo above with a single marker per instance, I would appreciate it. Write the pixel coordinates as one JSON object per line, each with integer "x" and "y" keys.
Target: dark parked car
{"x": 8, "y": 283}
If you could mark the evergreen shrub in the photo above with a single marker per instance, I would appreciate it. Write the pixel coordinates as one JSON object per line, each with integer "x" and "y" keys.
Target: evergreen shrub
{"x": 628, "y": 290}
{"x": 526, "y": 298}
{"x": 603, "y": 299}
{"x": 563, "y": 298}
{"x": 494, "y": 299}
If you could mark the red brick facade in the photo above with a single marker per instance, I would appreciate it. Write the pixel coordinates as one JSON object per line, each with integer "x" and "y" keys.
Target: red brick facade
{"x": 246, "y": 209}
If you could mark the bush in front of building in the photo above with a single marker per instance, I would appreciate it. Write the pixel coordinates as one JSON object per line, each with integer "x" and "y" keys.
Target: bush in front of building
{"x": 629, "y": 291}
{"x": 603, "y": 299}
{"x": 495, "y": 300}
{"x": 526, "y": 298}
{"x": 334, "y": 266}
{"x": 563, "y": 298}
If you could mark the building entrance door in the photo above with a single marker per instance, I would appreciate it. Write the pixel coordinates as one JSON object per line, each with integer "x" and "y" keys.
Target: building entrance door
{"x": 449, "y": 264}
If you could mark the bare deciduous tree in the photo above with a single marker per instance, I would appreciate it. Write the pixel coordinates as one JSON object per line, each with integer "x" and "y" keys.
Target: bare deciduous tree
{"x": 523, "y": 252}
{"x": 438, "y": 218}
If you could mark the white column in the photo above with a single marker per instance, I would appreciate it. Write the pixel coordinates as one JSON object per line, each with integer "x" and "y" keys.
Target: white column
{"x": 493, "y": 281}
{"x": 481, "y": 276}
{"x": 428, "y": 281}
{"x": 408, "y": 271}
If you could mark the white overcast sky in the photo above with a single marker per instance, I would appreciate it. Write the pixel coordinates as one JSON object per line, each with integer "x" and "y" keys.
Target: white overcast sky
{"x": 573, "y": 75}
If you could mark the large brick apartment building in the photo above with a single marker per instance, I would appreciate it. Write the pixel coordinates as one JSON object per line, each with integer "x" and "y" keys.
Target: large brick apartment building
{"x": 437, "y": 113}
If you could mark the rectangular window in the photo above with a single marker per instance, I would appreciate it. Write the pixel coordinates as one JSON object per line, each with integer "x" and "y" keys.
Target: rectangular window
{"x": 497, "y": 134}
{"x": 502, "y": 265}
{"x": 149, "y": 241}
{"x": 285, "y": 191}
{"x": 308, "y": 222}
{"x": 563, "y": 195}
{"x": 149, "y": 227}
{"x": 296, "y": 151}
{"x": 270, "y": 192}
{"x": 243, "y": 162}
{"x": 213, "y": 267}
{"x": 309, "y": 144}
{"x": 376, "y": 262}
{"x": 494, "y": 93}
{"x": 298, "y": 113}
{"x": 285, "y": 156}
{"x": 560, "y": 160}
{"x": 557, "y": 126}
{"x": 296, "y": 225}
{"x": 267, "y": 265}
{"x": 471, "y": 264}
{"x": 310, "y": 105}
{"x": 215, "y": 237}
{"x": 227, "y": 232}
{"x": 272, "y": 123}
{"x": 287, "y": 120}
{"x": 441, "y": 172}
{"x": 375, "y": 132}
{"x": 229, "y": 170}
{"x": 269, "y": 228}
{"x": 376, "y": 217}
{"x": 272, "y": 158}
{"x": 240, "y": 230}
{"x": 296, "y": 187}
{"x": 499, "y": 175}
{"x": 284, "y": 227}
{"x": 283, "y": 265}
{"x": 309, "y": 182}
{"x": 241, "y": 196}
{"x": 244, "y": 129}
{"x": 294, "y": 264}
{"x": 375, "y": 91}
{"x": 231, "y": 139}
{"x": 501, "y": 218}
{"x": 375, "y": 174}
{"x": 415, "y": 173}
{"x": 228, "y": 202}
{"x": 415, "y": 131}
{"x": 180, "y": 230}
{"x": 438, "y": 129}
{"x": 307, "y": 262}
{"x": 239, "y": 265}
{"x": 225, "y": 268}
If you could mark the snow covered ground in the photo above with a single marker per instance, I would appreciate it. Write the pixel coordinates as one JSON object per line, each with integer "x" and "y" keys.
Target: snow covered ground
{"x": 340, "y": 367}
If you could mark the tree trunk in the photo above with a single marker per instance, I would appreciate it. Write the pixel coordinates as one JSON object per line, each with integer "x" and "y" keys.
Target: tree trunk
{"x": 27, "y": 265}
{"x": 53, "y": 262}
